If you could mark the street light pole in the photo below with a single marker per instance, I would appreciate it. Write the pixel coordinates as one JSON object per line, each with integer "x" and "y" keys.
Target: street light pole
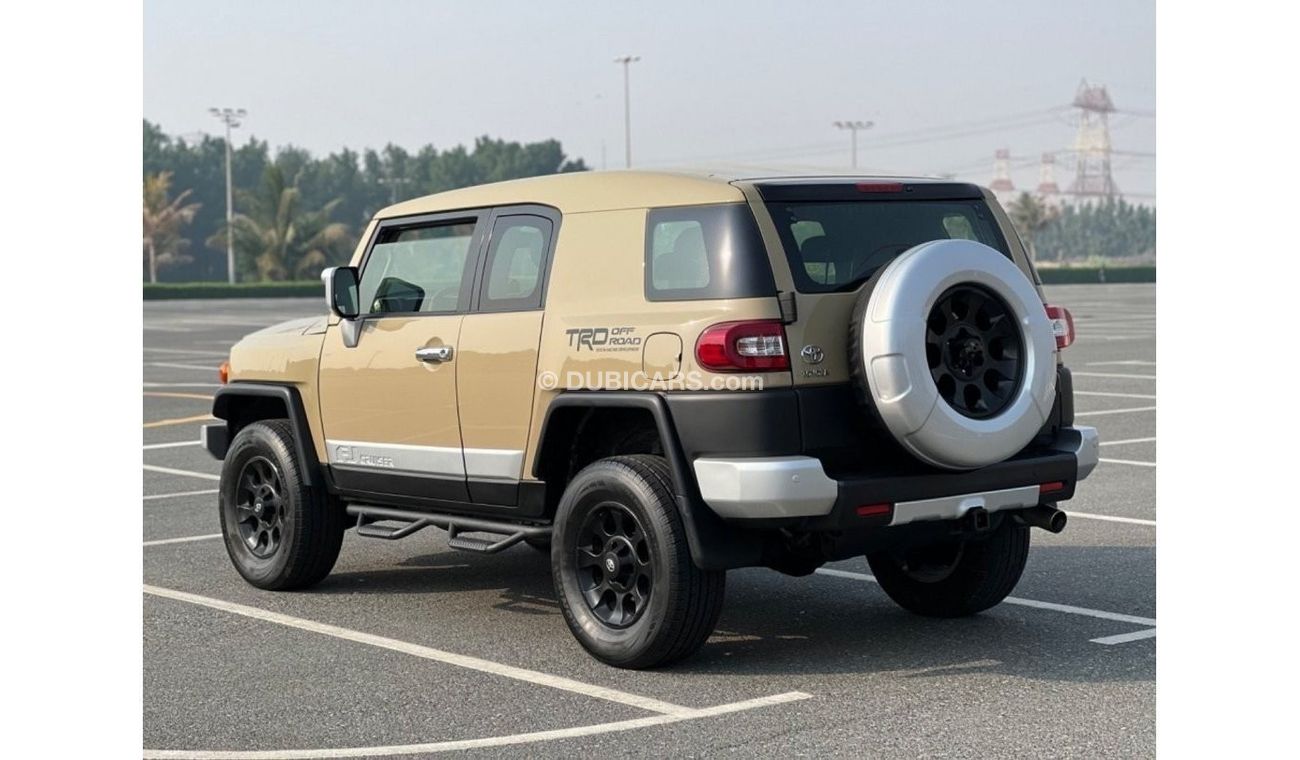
{"x": 853, "y": 127}
{"x": 627, "y": 61}
{"x": 231, "y": 118}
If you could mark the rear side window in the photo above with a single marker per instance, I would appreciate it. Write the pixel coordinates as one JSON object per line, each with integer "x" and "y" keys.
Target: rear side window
{"x": 701, "y": 252}
{"x": 837, "y": 245}
{"x": 516, "y": 260}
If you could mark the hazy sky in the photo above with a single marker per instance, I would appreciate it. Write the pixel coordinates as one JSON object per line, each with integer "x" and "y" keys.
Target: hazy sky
{"x": 738, "y": 83}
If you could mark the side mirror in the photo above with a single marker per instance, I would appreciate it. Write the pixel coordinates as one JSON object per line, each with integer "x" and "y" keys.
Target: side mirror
{"x": 341, "y": 291}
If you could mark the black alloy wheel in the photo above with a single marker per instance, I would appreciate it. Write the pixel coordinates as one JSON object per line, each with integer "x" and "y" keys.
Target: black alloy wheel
{"x": 627, "y": 584}
{"x": 615, "y": 565}
{"x": 975, "y": 351}
{"x": 259, "y": 507}
{"x": 280, "y": 533}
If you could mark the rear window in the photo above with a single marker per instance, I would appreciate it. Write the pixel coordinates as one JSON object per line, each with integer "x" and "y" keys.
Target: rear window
{"x": 837, "y": 245}
{"x": 699, "y": 252}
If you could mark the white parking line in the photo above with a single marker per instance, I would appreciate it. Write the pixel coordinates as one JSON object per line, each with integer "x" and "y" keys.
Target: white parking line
{"x": 182, "y": 540}
{"x": 491, "y": 741}
{"x": 181, "y": 493}
{"x": 1118, "y": 617}
{"x": 534, "y": 677}
{"x": 172, "y": 445}
{"x": 1133, "y": 462}
{"x": 1111, "y": 518}
{"x": 189, "y": 473}
{"x": 1123, "y": 441}
{"x": 1142, "y": 336}
{"x": 1113, "y": 374}
{"x": 1124, "y": 638}
{"x": 1115, "y": 395}
{"x": 182, "y": 385}
{"x": 1116, "y": 411}
{"x": 1132, "y": 362}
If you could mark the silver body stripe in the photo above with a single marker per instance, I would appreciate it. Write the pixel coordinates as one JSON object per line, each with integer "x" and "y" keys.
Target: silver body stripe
{"x": 445, "y": 461}
{"x": 494, "y": 464}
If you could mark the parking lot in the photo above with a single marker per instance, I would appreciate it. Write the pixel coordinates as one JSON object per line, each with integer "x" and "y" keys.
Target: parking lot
{"x": 411, "y": 648}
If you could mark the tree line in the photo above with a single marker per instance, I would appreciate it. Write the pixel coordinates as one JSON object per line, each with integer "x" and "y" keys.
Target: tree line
{"x": 1092, "y": 233}
{"x": 294, "y": 212}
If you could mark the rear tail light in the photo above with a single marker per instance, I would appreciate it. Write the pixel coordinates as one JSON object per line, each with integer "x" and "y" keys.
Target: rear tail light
{"x": 757, "y": 345}
{"x": 223, "y": 372}
{"x": 1062, "y": 325}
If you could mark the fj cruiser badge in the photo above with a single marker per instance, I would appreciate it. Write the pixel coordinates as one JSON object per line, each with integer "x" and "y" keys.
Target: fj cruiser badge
{"x": 812, "y": 354}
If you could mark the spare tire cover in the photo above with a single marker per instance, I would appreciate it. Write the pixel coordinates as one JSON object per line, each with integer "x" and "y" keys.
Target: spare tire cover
{"x": 894, "y": 321}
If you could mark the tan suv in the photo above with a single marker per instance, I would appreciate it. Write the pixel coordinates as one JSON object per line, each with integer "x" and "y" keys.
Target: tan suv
{"x": 658, "y": 377}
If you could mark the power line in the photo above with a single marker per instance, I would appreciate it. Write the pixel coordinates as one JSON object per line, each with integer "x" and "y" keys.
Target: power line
{"x": 956, "y": 130}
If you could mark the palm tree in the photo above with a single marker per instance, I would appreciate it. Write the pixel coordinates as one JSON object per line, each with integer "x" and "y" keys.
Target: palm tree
{"x": 1031, "y": 216}
{"x": 278, "y": 236}
{"x": 163, "y": 220}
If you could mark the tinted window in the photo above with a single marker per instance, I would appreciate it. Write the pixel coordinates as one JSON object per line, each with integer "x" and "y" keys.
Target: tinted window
{"x": 697, "y": 252}
{"x": 836, "y": 245}
{"x": 515, "y": 262}
{"x": 417, "y": 269}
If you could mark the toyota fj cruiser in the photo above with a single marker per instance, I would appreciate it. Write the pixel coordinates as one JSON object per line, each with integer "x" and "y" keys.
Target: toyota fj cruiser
{"x": 658, "y": 377}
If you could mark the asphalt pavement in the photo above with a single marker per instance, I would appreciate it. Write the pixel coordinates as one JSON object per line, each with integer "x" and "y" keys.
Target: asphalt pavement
{"x": 410, "y": 648}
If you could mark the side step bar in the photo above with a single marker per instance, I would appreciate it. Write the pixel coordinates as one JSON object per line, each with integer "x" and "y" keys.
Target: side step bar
{"x": 508, "y": 533}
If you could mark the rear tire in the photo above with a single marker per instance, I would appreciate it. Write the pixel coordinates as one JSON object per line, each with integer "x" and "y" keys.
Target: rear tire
{"x": 279, "y": 533}
{"x": 955, "y": 579}
{"x": 628, "y": 588}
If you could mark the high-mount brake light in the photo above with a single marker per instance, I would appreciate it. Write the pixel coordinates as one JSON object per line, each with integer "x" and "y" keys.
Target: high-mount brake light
{"x": 1062, "y": 325}
{"x": 750, "y": 346}
{"x": 880, "y": 187}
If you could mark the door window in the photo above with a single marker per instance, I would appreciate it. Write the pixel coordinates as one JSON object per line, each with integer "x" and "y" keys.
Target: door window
{"x": 418, "y": 270}
{"x": 516, "y": 263}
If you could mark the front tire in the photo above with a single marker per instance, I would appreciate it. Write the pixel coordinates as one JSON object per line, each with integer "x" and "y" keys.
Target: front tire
{"x": 280, "y": 534}
{"x": 628, "y": 588}
{"x": 958, "y": 578}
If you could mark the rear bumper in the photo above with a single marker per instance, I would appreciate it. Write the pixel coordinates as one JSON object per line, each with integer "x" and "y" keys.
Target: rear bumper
{"x": 797, "y": 488}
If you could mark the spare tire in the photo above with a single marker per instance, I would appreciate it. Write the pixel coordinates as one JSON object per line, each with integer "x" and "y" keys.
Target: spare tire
{"x": 952, "y": 348}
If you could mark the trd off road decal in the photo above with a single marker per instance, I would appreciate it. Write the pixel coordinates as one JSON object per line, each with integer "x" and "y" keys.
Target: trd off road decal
{"x": 603, "y": 339}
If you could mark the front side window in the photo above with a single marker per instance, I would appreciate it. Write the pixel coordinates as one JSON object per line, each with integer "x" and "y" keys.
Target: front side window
{"x": 699, "y": 252}
{"x": 516, "y": 261}
{"x": 417, "y": 270}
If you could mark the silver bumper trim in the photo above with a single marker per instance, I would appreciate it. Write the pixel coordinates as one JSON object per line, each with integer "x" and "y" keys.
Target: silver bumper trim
{"x": 1084, "y": 443}
{"x": 759, "y": 487}
{"x": 955, "y": 507}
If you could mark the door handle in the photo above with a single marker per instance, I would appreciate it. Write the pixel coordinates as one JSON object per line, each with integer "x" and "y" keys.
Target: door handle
{"x": 434, "y": 354}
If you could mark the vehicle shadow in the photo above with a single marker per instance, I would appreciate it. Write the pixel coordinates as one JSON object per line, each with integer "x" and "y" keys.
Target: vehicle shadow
{"x": 816, "y": 625}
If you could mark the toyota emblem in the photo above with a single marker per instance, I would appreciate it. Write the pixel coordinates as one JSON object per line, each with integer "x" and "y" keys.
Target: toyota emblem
{"x": 812, "y": 354}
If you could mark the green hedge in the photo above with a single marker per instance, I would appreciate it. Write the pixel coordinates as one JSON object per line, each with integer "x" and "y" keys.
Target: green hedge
{"x": 171, "y": 290}
{"x": 1077, "y": 275}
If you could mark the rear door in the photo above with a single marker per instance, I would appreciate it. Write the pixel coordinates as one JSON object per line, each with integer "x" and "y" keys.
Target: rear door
{"x": 388, "y": 402}
{"x": 829, "y": 239}
{"x": 499, "y": 339}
